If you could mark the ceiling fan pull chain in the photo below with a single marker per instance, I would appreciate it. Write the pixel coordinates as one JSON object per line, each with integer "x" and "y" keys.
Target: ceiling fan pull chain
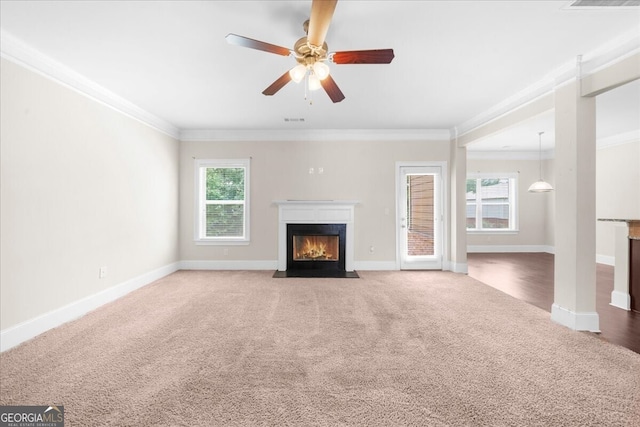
{"x": 308, "y": 93}
{"x": 306, "y": 85}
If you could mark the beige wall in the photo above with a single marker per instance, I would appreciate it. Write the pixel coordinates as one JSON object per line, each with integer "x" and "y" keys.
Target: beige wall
{"x": 617, "y": 191}
{"x": 363, "y": 171}
{"x": 82, "y": 186}
{"x": 617, "y": 196}
{"x": 533, "y": 214}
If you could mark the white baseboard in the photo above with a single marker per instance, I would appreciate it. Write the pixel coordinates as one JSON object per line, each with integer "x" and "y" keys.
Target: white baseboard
{"x": 585, "y": 321}
{"x": 24, "y": 331}
{"x": 621, "y": 300}
{"x": 606, "y": 260}
{"x": 455, "y": 267}
{"x": 509, "y": 248}
{"x": 228, "y": 265}
{"x": 272, "y": 265}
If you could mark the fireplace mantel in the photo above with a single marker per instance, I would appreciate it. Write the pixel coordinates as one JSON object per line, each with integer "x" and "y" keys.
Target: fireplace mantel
{"x": 315, "y": 212}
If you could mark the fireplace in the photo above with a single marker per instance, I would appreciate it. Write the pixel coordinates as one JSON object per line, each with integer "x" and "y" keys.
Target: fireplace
{"x": 315, "y": 238}
{"x": 316, "y": 247}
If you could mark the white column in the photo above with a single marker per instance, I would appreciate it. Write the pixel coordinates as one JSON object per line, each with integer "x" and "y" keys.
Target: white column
{"x": 620, "y": 296}
{"x": 458, "y": 203}
{"x": 575, "y": 253}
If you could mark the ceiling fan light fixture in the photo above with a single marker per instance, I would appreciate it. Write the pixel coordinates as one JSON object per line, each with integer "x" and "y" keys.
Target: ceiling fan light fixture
{"x": 321, "y": 70}
{"x": 314, "y": 82}
{"x": 312, "y": 53}
{"x": 297, "y": 73}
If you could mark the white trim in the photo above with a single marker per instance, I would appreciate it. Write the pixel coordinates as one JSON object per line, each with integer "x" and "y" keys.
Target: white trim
{"x": 619, "y": 139}
{"x": 199, "y": 209}
{"x": 509, "y": 248}
{"x": 568, "y": 6}
{"x": 605, "y": 55}
{"x": 221, "y": 242}
{"x": 316, "y": 135}
{"x": 316, "y": 212}
{"x": 494, "y": 231}
{"x": 443, "y": 200}
{"x": 601, "y": 143}
{"x": 512, "y": 202}
{"x": 611, "y": 52}
{"x": 456, "y": 267}
{"x": 586, "y": 321}
{"x": 15, "y": 50}
{"x": 228, "y": 265}
{"x": 24, "y": 331}
{"x": 517, "y": 101}
{"x": 605, "y": 259}
{"x": 509, "y": 155}
{"x": 621, "y": 300}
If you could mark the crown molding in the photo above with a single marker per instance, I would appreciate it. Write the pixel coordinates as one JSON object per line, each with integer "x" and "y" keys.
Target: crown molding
{"x": 510, "y": 155}
{"x": 602, "y": 57}
{"x": 15, "y": 50}
{"x": 619, "y": 139}
{"x": 316, "y": 135}
{"x": 601, "y": 143}
{"x": 613, "y": 51}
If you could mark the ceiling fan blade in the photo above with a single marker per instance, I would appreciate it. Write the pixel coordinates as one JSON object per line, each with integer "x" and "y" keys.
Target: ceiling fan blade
{"x": 278, "y": 84}
{"x": 332, "y": 89}
{"x": 376, "y": 56}
{"x": 257, "y": 44}
{"x": 321, "y": 14}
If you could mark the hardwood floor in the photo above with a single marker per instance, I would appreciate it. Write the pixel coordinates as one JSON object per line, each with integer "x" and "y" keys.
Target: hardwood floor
{"x": 529, "y": 277}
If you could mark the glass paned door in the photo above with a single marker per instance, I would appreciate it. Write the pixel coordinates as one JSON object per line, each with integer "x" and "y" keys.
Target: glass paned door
{"x": 420, "y": 217}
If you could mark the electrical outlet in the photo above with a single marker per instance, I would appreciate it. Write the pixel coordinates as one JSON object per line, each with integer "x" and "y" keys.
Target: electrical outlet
{"x": 103, "y": 273}
{"x": 320, "y": 171}
{"x": 311, "y": 171}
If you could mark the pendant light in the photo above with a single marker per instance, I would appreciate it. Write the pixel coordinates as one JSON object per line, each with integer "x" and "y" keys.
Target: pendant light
{"x": 540, "y": 186}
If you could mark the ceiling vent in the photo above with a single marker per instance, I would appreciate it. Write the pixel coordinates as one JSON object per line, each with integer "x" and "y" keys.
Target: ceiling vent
{"x": 603, "y": 4}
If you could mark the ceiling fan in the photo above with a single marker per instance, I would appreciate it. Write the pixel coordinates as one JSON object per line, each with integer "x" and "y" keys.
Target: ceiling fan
{"x": 312, "y": 54}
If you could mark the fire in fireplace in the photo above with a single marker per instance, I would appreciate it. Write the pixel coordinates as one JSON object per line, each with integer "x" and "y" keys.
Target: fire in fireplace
{"x": 315, "y": 248}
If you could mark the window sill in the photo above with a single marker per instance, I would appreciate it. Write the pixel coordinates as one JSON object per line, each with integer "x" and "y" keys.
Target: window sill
{"x": 493, "y": 231}
{"x": 203, "y": 242}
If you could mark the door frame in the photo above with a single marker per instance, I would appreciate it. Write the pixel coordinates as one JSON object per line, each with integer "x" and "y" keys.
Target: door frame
{"x": 444, "y": 210}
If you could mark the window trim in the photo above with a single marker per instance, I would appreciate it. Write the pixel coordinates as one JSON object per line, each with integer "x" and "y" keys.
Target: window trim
{"x": 513, "y": 204}
{"x": 200, "y": 201}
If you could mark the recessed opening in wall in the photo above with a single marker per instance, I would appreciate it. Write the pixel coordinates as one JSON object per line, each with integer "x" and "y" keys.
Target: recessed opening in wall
{"x": 316, "y": 250}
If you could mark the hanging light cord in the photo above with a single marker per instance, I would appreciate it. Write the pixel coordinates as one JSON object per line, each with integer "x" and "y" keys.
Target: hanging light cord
{"x": 540, "y": 154}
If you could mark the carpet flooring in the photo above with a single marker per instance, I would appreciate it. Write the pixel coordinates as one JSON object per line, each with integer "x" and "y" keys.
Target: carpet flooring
{"x": 236, "y": 348}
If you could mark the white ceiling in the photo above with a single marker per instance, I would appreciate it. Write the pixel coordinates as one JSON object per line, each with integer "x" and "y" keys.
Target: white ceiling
{"x": 454, "y": 60}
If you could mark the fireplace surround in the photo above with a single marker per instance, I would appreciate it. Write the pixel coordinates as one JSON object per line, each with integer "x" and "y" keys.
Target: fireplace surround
{"x": 315, "y": 238}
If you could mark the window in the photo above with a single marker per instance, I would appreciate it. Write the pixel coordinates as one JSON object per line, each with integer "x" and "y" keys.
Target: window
{"x": 491, "y": 202}
{"x": 222, "y": 201}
